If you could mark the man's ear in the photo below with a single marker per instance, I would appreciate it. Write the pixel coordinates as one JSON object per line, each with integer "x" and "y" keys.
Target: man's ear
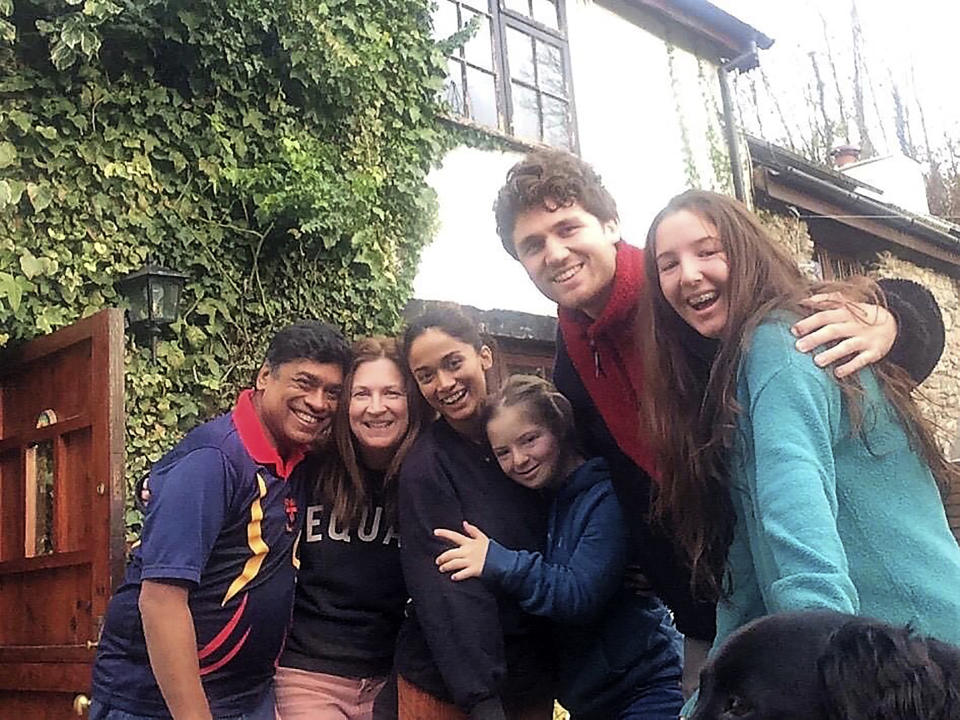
{"x": 611, "y": 230}
{"x": 262, "y": 375}
{"x": 486, "y": 357}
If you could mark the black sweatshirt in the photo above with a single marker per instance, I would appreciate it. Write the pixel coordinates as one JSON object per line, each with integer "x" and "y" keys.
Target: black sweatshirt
{"x": 350, "y": 593}
{"x": 917, "y": 349}
{"x": 461, "y": 641}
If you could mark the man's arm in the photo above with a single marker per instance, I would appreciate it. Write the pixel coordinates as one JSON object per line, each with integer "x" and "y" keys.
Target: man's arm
{"x": 172, "y": 647}
{"x": 909, "y": 332}
{"x": 188, "y": 503}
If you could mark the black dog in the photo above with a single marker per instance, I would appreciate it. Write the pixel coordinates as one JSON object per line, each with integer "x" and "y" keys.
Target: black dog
{"x": 827, "y": 666}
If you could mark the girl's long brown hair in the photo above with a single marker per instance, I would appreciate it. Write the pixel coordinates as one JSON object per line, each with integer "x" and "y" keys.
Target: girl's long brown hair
{"x": 341, "y": 482}
{"x": 692, "y": 382}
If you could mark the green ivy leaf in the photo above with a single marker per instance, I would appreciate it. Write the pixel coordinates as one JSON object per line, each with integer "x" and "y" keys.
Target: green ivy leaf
{"x": 89, "y": 43}
{"x": 40, "y": 196}
{"x": 21, "y": 119}
{"x": 30, "y": 265}
{"x": 8, "y": 32}
{"x": 62, "y": 55}
{"x": 10, "y": 290}
{"x": 8, "y": 154}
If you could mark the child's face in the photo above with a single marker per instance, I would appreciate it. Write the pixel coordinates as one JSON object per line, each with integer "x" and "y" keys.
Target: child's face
{"x": 527, "y": 452}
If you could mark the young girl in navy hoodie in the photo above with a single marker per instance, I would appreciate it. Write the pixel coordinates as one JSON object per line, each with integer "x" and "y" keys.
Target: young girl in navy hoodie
{"x": 619, "y": 654}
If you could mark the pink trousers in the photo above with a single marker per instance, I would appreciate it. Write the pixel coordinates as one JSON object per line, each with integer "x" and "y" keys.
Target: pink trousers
{"x": 306, "y": 695}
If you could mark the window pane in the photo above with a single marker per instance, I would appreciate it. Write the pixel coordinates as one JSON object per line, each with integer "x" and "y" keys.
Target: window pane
{"x": 520, "y": 6}
{"x": 545, "y": 11}
{"x": 479, "y": 48}
{"x": 550, "y": 69}
{"x": 453, "y": 87}
{"x": 526, "y": 120}
{"x": 482, "y": 97}
{"x": 444, "y": 20}
{"x": 556, "y": 124}
{"x": 520, "y": 55}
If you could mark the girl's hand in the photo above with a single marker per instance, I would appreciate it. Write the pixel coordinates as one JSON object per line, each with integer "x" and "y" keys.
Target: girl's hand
{"x": 865, "y": 333}
{"x": 469, "y": 555}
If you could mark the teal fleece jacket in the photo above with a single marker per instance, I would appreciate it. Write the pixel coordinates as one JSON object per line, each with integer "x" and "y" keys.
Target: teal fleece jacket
{"x": 828, "y": 518}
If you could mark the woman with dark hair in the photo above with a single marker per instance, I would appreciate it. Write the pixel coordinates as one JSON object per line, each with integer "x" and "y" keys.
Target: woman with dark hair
{"x": 787, "y": 487}
{"x": 350, "y": 590}
{"x": 465, "y": 650}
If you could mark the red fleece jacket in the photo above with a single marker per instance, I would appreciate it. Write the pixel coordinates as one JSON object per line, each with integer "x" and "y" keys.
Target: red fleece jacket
{"x": 606, "y": 355}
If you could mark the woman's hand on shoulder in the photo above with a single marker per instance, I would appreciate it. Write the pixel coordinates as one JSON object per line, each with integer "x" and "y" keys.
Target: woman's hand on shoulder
{"x": 863, "y": 333}
{"x": 467, "y": 559}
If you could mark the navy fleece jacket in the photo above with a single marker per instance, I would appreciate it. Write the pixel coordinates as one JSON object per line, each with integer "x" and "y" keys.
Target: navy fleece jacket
{"x": 615, "y": 642}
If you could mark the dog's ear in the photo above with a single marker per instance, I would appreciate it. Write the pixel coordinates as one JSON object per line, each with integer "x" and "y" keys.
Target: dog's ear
{"x": 872, "y": 671}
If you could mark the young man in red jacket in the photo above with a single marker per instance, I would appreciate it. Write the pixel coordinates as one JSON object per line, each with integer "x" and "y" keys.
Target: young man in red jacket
{"x": 555, "y": 217}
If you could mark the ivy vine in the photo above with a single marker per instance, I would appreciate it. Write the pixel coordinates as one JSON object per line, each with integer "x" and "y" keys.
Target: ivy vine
{"x": 276, "y": 151}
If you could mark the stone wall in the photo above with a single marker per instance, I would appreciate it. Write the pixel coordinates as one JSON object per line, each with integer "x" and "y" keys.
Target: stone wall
{"x": 939, "y": 395}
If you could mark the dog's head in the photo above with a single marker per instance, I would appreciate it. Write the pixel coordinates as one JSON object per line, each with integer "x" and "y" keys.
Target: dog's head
{"x": 828, "y": 666}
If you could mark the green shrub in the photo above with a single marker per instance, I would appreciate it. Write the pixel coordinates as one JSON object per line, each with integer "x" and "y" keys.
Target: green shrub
{"x": 274, "y": 150}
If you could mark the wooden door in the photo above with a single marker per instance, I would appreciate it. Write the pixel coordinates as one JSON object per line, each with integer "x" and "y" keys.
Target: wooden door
{"x": 61, "y": 511}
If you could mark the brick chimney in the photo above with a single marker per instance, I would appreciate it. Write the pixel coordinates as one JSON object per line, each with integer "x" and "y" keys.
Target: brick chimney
{"x": 844, "y": 155}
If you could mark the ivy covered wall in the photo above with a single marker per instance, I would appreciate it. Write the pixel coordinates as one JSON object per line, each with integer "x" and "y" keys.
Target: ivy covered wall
{"x": 274, "y": 150}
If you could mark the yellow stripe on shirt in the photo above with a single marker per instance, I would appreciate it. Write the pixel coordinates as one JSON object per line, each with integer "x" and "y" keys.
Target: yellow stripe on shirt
{"x": 256, "y": 543}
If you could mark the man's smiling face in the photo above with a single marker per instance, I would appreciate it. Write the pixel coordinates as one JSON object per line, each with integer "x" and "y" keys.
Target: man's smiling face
{"x": 297, "y": 401}
{"x": 569, "y": 254}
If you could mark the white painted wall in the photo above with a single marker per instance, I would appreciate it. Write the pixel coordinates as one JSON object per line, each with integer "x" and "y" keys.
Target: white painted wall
{"x": 630, "y": 130}
{"x": 899, "y": 177}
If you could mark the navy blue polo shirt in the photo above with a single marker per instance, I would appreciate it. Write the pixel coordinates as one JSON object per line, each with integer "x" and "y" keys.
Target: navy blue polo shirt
{"x": 223, "y": 519}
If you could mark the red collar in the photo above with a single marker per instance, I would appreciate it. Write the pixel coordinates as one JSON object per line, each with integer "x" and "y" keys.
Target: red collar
{"x": 255, "y": 440}
{"x": 628, "y": 282}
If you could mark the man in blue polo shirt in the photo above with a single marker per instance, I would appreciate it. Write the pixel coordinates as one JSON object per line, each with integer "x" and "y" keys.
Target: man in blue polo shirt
{"x": 194, "y": 631}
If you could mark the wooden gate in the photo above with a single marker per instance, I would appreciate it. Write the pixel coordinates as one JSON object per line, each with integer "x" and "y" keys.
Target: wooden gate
{"x": 61, "y": 512}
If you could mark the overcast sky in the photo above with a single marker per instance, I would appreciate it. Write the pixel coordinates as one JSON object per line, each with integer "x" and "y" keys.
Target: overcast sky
{"x": 903, "y": 40}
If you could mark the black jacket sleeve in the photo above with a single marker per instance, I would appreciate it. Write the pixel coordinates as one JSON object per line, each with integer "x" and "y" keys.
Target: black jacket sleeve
{"x": 653, "y": 550}
{"x": 460, "y": 620}
{"x": 920, "y": 331}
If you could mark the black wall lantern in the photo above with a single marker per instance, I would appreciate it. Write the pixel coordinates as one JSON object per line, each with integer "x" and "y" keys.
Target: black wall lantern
{"x": 153, "y": 294}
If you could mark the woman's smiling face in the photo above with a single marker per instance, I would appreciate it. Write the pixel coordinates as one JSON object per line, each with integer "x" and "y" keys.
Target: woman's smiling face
{"x": 693, "y": 270}
{"x": 450, "y": 374}
{"x": 377, "y": 409}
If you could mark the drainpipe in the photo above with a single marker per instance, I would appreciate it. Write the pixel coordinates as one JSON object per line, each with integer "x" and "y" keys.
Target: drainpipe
{"x": 743, "y": 63}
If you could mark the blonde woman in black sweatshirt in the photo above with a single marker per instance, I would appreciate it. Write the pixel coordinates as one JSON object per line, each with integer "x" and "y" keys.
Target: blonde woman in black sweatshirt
{"x": 350, "y": 593}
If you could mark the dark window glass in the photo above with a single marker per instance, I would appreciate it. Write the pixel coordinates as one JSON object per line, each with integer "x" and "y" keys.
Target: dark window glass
{"x": 513, "y": 74}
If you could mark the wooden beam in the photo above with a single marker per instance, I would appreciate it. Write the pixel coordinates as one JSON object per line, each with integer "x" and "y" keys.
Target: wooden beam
{"x": 892, "y": 238}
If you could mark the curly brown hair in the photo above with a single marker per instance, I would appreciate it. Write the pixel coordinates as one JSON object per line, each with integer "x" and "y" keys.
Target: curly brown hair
{"x": 692, "y": 382}
{"x": 551, "y": 179}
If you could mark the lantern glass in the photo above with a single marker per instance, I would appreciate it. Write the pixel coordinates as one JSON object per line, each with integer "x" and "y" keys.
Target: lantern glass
{"x": 137, "y": 297}
{"x": 164, "y": 299}
{"x": 153, "y": 294}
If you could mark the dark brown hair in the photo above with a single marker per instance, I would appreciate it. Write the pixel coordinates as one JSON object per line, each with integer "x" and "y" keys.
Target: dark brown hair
{"x": 449, "y": 319}
{"x": 341, "y": 481}
{"x": 551, "y": 179}
{"x": 692, "y": 409}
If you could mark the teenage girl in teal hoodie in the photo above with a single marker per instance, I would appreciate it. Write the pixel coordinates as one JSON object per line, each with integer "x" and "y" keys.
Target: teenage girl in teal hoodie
{"x": 788, "y": 488}
{"x": 619, "y": 654}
